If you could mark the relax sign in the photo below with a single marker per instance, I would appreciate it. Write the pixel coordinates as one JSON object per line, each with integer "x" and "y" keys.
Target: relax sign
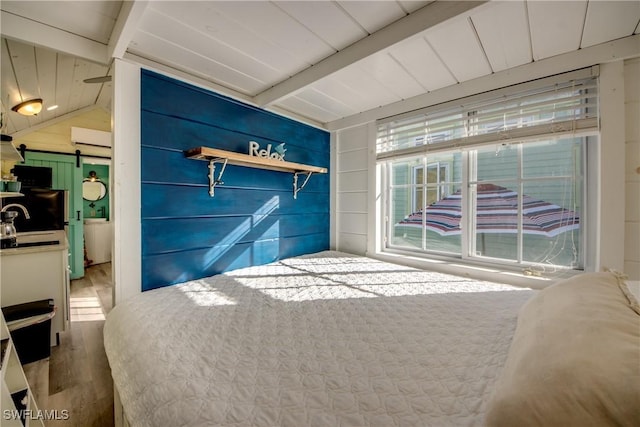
{"x": 277, "y": 153}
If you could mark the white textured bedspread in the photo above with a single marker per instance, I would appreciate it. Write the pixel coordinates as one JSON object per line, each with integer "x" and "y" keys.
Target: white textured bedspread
{"x": 327, "y": 339}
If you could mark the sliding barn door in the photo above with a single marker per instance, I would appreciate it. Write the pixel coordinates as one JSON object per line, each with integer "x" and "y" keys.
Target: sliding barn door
{"x": 67, "y": 176}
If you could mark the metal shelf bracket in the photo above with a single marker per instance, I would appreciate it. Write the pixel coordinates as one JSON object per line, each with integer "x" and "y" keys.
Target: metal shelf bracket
{"x": 213, "y": 181}
{"x": 296, "y": 189}
{"x": 214, "y": 155}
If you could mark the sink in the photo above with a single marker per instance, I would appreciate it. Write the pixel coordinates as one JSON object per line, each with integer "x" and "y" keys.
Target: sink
{"x": 94, "y": 220}
{"x": 43, "y": 243}
{"x": 37, "y": 236}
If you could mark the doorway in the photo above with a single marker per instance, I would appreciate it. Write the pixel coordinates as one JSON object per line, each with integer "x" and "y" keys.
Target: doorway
{"x": 96, "y": 201}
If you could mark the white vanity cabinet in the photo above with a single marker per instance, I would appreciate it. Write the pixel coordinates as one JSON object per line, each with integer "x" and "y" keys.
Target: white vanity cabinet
{"x": 35, "y": 273}
{"x": 97, "y": 239}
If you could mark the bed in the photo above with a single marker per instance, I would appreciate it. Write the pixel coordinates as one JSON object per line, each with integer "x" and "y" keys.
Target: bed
{"x": 327, "y": 339}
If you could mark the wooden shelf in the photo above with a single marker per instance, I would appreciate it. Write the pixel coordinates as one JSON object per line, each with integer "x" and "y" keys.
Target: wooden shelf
{"x": 233, "y": 158}
{"x": 10, "y": 194}
{"x": 9, "y": 152}
{"x": 214, "y": 155}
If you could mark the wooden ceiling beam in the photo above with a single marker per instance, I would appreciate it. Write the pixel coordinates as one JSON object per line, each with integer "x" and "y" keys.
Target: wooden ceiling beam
{"x": 31, "y": 32}
{"x": 125, "y": 27}
{"x": 427, "y": 17}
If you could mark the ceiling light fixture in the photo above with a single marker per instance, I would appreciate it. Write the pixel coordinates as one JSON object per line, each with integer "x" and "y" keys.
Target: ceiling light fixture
{"x": 28, "y": 108}
{"x": 53, "y": 107}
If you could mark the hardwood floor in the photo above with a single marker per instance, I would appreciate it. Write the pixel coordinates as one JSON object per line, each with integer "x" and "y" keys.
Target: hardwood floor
{"x": 76, "y": 377}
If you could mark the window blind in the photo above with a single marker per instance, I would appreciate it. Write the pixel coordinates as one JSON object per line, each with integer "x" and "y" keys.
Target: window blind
{"x": 566, "y": 107}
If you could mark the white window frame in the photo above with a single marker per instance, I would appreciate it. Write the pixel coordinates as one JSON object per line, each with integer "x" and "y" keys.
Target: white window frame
{"x": 424, "y": 186}
{"x": 416, "y": 186}
{"x": 586, "y": 130}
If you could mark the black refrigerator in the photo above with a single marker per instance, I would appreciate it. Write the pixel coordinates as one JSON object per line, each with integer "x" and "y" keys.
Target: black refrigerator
{"x": 48, "y": 209}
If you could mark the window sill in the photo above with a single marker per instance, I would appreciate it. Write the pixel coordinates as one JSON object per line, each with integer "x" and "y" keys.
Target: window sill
{"x": 491, "y": 273}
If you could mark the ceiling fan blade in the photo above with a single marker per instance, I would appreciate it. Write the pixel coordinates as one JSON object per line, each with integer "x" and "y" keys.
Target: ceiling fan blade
{"x": 101, "y": 79}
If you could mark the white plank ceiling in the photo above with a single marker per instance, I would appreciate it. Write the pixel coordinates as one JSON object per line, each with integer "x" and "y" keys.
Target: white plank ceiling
{"x": 321, "y": 61}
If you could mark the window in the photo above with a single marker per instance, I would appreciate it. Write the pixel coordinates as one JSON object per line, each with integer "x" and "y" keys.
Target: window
{"x": 437, "y": 173}
{"x": 518, "y": 200}
{"x": 409, "y": 223}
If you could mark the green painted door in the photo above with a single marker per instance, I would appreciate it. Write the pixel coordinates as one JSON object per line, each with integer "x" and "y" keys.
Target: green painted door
{"x": 66, "y": 176}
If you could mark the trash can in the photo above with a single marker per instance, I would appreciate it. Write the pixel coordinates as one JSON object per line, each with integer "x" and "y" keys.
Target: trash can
{"x": 30, "y": 328}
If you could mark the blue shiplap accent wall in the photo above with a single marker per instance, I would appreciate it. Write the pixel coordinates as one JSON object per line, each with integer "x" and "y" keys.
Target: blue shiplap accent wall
{"x": 253, "y": 218}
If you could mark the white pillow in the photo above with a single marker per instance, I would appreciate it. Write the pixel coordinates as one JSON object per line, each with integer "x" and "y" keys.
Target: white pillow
{"x": 574, "y": 359}
{"x": 634, "y": 290}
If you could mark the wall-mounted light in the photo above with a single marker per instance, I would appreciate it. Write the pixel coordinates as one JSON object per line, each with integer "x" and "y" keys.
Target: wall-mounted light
{"x": 93, "y": 176}
{"x": 30, "y": 107}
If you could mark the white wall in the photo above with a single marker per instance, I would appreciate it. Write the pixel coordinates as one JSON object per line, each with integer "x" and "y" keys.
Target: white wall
{"x": 352, "y": 189}
{"x": 356, "y": 198}
{"x": 632, "y": 168}
{"x": 611, "y": 203}
{"x": 125, "y": 188}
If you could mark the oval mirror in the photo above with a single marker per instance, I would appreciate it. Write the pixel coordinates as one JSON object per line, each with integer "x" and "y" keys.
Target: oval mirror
{"x": 93, "y": 190}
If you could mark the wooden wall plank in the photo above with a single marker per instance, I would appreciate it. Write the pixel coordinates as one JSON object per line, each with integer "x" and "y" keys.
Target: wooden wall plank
{"x": 253, "y": 218}
{"x": 195, "y": 264}
{"x": 180, "y": 234}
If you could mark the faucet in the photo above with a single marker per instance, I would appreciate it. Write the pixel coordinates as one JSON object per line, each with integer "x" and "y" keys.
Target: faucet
{"x": 17, "y": 205}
